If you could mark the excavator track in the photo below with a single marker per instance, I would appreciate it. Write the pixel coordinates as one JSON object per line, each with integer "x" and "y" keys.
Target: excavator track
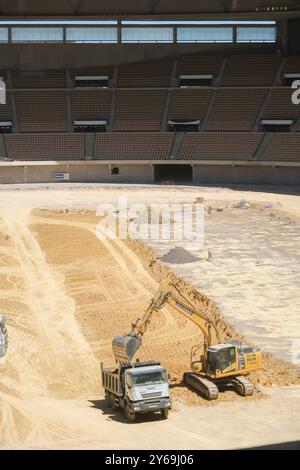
{"x": 243, "y": 386}
{"x": 202, "y": 385}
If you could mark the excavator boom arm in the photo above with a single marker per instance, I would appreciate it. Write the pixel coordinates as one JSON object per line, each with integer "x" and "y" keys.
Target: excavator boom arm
{"x": 139, "y": 327}
{"x": 196, "y": 316}
{"x": 125, "y": 346}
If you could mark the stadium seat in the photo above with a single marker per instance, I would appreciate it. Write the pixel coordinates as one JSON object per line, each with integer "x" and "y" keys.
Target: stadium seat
{"x": 133, "y": 146}
{"x": 45, "y": 146}
{"x": 220, "y": 146}
{"x": 283, "y": 148}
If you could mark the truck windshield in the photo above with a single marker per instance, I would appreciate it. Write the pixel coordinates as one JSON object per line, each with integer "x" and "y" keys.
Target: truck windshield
{"x": 147, "y": 379}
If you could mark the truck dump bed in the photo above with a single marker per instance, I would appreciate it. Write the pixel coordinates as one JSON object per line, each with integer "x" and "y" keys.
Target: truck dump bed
{"x": 111, "y": 380}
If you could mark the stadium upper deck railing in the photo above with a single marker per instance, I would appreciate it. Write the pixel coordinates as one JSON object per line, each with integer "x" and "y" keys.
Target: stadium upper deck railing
{"x": 142, "y": 33}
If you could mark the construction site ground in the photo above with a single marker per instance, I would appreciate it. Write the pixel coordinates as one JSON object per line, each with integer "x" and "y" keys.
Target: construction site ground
{"x": 66, "y": 294}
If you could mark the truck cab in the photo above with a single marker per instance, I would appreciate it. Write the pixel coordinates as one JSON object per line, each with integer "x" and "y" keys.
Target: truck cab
{"x": 147, "y": 388}
{"x": 138, "y": 388}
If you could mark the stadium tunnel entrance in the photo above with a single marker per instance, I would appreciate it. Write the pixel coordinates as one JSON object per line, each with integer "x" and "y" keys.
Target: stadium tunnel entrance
{"x": 173, "y": 173}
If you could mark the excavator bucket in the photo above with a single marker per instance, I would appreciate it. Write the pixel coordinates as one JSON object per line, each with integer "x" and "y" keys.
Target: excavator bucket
{"x": 3, "y": 337}
{"x": 125, "y": 346}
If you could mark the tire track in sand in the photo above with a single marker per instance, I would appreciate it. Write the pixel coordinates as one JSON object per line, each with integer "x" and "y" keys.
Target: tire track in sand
{"x": 60, "y": 329}
{"x": 133, "y": 269}
{"x": 66, "y": 363}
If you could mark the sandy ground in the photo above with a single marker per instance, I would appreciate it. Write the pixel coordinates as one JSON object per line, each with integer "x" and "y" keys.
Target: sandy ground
{"x": 56, "y": 283}
{"x": 253, "y": 268}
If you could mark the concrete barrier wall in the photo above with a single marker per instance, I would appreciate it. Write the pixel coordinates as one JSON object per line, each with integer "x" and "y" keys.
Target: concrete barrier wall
{"x": 11, "y": 175}
{"x": 133, "y": 174}
{"x": 247, "y": 174}
{"x": 78, "y": 173}
{"x": 256, "y": 175}
{"x": 43, "y": 173}
{"x": 214, "y": 174}
{"x": 288, "y": 176}
{"x": 143, "y": 173}
{"x": 89, "y": 173}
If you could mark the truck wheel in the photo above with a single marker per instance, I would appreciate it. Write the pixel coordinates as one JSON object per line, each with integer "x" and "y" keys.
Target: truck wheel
{"x": 129, "y": 414}
{"x": 164, "y": 413}
{"x": 110, "y": 400}
{"x": 112, "y": 403}
{"x": 107, "y": 399}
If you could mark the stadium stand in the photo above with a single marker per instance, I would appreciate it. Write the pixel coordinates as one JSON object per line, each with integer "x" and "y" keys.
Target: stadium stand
{"x": 283, "y": 148}
{"x": 92, "y": 71}
{"x": 2, "y": 148}
{"x": 292, "y": 65}
{"x": 177, "y": 86}
{"x": 229, "y": 113}
{"x": 220, "y": 146}
{"x": 91, "y": 104}
{"x": 235, "y": 110}
{"x": 6, "y": 109}
{"x": 189, "y": 104}
{"x": 139, "y": 110}
{"x": 141, "y": 146}
{"x": 145, "y": 74}
{"x": 199, "y": 65}
{"x": 250, "y": 70}
{"x": 41, "y": 111}
{"x": 43, "y": 79}
{"x": 280, "y": 106}
{"x": 45, "y": 146}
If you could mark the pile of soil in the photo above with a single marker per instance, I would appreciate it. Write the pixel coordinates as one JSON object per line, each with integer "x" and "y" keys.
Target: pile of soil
{"x": 179, "y": 255}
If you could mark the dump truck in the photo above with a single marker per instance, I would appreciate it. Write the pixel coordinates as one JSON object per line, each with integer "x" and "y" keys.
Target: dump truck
{"x": 141, "y": 387}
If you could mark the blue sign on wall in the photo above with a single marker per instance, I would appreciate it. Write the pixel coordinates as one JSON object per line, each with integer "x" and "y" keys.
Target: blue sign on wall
{"x": 61, "y": 176}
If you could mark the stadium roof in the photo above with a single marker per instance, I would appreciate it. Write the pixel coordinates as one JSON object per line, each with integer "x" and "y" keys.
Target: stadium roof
{"x": 133, "y": 7}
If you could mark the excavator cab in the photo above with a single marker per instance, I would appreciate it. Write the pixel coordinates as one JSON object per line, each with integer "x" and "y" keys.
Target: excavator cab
{"x": 221, "y": 359}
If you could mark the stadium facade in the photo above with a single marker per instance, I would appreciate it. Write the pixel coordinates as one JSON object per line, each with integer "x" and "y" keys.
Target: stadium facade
{"x": 150, "y": 91}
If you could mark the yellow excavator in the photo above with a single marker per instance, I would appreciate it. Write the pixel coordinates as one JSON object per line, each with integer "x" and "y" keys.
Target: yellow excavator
{"x": 215, "y": 367}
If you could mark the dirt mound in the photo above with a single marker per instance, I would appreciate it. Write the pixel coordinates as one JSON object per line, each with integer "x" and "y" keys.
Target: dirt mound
{"x": 179, "y": 255}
